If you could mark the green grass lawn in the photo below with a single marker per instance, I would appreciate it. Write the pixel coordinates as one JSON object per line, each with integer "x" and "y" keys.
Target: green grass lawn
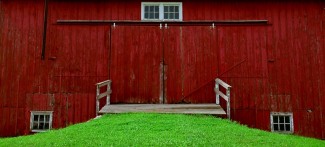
{"x": 143, "y": 129}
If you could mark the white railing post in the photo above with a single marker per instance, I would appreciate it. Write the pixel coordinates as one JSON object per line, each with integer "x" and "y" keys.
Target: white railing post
{"x": 97, "y": 100}
{"x": 216, "y": 89}
{"x": 226, "y": 96}
{"x": 106, "y": 94}
{"x": 108, "y": 97}
{"x": 228, "y": 102}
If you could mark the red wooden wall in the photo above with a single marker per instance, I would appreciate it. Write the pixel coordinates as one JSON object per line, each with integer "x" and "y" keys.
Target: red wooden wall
{"x": 19, "y": 62}
{"x": 282, "y": 70}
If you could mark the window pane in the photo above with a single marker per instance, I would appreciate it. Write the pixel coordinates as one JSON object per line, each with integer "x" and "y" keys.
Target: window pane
{"x": 47, "y": 118}
{"x": 165, "y": 8}
{"x": 275, "y": 127}
{"x": 47, "y": 126}
{"x": 281, "y": 119}
{"x": 176, "y": 9}
{"x": 171, "y": 15}
{"x": 157, "y": 9}
{"x": 176, "y": 15}
{"x": 165, "y": 15}
{"x": 41, "y": 118}
{"x": 282, "y": 127}
{"x": 151, "y": 12}
{"x": 41, "y": 125}
{"x": 35, "y": 126}
{"x": 275, "y": 119}
{"x": 151, "y": 16}
{"x": 287, "y": 119}
{"x": 156, "y": 15}
{"x": 152, "y": 9}
{"x": 35, "y": 117}
{"x": 171, "y": 9}
{"x": 146, "y": 9}
{"x": 288, "y": 127}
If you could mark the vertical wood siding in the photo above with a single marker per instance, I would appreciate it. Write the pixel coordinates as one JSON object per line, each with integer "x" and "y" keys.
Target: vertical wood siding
{"x": 20, "y": 46}
{"x": 77, "y": 57}
{"x": 282, "y": 70}
{"x": 191, "y": 62}
{"x": 136, "y": 56}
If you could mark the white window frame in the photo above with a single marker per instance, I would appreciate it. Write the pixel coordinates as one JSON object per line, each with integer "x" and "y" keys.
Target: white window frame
{"x": 290, "y": 114}
{"x": 33, "y": 113}
{"x": 161, "y": 10}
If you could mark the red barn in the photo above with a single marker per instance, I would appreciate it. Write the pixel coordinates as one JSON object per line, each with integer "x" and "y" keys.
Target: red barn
{"x": 52, "y": 53}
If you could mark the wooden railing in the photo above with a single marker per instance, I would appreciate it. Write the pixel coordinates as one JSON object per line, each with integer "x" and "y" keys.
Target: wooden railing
{"x": 106, "y": 94}
{"x": 219, "y": 93}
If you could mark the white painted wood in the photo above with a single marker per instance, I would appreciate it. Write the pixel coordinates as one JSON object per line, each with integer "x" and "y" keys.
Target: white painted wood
{"x": 226, "y": 96}
{"x": 34, "y": 113}
{"x": 290, "y": 114}
{"x": 161, "y": 10}
{"x": 228, "y": 102}
{"x": 216, "y": 90}
{"x": 223, "y": 84}
{"x": 223, "y": 95}
{"x": 106, "y": 94}
{"x": 97, "y": 107}
{"x": 104, "y": 83}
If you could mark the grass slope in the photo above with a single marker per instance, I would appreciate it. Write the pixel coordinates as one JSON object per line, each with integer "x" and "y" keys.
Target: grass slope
{"x": 142, "y": 129}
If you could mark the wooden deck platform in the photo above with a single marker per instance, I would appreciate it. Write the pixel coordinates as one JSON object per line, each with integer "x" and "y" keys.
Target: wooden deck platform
{"x": 212, "y": 109}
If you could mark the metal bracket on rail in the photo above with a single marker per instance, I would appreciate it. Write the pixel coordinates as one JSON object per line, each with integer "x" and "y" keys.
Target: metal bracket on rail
{"x": 212, "y": 26}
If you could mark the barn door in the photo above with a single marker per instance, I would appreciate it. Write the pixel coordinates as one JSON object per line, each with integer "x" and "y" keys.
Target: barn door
{"x": 136, "y": 53}
{"x": 177, "y": 64}
{"x": 191, "y": 64}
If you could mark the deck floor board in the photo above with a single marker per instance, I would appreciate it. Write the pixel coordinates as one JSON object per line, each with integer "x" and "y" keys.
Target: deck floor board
{"x": 165, "y": 108}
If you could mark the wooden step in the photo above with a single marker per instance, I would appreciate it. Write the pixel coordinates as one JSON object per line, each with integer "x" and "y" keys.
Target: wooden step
{"x": 212, "y": 109}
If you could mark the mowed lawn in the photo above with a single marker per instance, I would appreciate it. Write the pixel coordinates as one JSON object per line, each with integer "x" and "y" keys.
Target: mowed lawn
{"x": 143, "y": 129}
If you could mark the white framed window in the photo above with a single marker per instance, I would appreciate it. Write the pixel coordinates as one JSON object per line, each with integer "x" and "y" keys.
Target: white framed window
{"x": 161, "y": 11}
{"x": 41, "y": 121}
{"x": 281, "y": 122}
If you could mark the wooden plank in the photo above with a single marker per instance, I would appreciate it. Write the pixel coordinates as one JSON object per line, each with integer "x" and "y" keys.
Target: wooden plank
{"x": 104, "y": 83}
{"x": 104, "y": 94}
{"x": 322, "y": 70}
{"x": 136, "y": 73}
{"x": 223, "y": 95}
{"x": 2, "y": 121}
{"x": 172, "y": 65}
{"x": 223, "y": 84}
{"x": 193, "y": 22}
{"x": 6, "y": 122}
{"x": 165, "y": 108}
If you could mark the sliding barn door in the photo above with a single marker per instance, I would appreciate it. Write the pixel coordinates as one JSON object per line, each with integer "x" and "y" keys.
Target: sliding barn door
{"x": 177, "y": 64}
{"x": 190, "y": 64}
{"x": 136, "y": 53}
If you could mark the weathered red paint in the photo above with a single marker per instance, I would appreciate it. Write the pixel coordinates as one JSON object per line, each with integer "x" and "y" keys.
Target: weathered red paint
{"x": 135, "y": 64}
{"x": 191, "y": 61}
{"x": 280, "y": 65}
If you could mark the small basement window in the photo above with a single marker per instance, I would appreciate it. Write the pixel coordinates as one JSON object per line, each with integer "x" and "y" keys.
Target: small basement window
{"x": 281, "y": 122}
{"x": 161, "y": 11}
{"x": 41, "y": 121}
